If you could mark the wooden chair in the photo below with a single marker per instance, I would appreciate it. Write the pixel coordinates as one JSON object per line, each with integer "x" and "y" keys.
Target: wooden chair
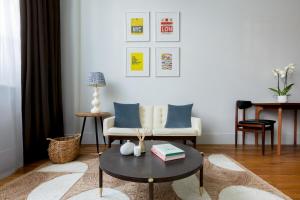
{"x": 252, "y": 125}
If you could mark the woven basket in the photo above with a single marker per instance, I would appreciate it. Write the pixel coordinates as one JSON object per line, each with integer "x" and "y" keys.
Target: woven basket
{"x": 64, "y": 149}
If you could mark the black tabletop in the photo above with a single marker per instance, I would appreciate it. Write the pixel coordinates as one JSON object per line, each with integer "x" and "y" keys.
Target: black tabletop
{"x": 141, "y": 169}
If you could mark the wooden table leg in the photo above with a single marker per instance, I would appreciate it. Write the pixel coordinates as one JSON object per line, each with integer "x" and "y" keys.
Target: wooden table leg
{"x": 295, "y": 127}
{"x": 151, "y": 196}
{"x": 101, "y": 121}
{"x": 82, "y": 129}
{"x": 96, "y": 133}
{"x": 258, "y": 110}
{"x": 279, "y": 131}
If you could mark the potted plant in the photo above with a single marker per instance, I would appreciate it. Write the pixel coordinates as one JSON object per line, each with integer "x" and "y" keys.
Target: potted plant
{"x": 282, "y": 74}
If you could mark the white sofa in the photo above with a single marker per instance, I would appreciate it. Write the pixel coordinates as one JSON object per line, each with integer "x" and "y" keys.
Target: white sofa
{"x": 153, "y": 118}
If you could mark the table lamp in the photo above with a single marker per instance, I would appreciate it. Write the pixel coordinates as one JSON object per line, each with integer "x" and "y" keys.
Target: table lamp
{"x": 96, "y": 80}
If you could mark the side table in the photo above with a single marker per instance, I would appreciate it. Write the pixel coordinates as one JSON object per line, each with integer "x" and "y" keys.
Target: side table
{"x": 101, "y": 115}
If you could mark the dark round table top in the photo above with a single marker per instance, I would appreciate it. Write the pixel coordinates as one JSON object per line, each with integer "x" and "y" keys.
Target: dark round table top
{"x": 149, "y": 166}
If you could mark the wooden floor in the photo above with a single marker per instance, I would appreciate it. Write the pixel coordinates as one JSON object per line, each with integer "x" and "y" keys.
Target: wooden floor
{"x": 283, "y": 171}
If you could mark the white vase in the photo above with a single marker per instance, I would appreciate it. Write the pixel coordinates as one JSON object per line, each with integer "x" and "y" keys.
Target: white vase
{"x": 282, "y": 99}
{"x": 127, "y": 148}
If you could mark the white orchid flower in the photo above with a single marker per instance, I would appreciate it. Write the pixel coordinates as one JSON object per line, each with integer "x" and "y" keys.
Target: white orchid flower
{"x": 287, "y": 67}
{"x": 282, "y": 73}
{"x": 275, "y": 72}
{"x": 292, "y": 67}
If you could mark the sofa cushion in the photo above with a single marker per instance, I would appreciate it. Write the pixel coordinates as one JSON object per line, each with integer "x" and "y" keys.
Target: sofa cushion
{"x": 175, "y": 132}
{"x": 146, "y": 116}
{"x": 127, "y": 115}
{"x": 179, "y": 116}
{"x": 160, "y": 116}
{"x": 126, "y": 131}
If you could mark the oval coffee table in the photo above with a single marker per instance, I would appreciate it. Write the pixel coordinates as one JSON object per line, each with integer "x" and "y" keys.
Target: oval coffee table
{"x": 148, "y": 168}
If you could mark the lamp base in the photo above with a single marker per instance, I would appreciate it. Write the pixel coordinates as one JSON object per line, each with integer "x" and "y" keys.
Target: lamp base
{"x": 95, "y": 110}
{"x": 95, "y": 102}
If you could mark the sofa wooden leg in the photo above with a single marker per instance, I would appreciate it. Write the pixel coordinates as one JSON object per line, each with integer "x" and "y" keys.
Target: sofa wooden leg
{"x": 195, "y": 142}
{"x": 109, "y": 142}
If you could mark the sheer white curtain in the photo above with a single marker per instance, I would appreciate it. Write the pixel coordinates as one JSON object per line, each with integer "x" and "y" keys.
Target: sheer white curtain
{"x": 11, "y": 150}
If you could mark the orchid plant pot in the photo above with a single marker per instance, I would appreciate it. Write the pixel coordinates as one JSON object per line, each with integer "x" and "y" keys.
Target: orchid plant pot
{"x": 282, "y": 99}
{"x": 282, "y": 93}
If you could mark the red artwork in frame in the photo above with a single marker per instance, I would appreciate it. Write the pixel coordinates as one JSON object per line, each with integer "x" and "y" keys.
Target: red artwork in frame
{"x": 166, "y": 25}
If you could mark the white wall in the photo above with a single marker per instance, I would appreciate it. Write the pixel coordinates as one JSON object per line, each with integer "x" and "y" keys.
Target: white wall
{"x": 228, "y": 49}
{"x": 70, "y": 53}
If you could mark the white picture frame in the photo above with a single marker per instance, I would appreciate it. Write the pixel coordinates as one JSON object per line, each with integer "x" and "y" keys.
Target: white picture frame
{"x": 137, "y": 26}
{"x": 140, "y": 66}
{"x": 167, "y": 26}
{"x": 167, "y": 61}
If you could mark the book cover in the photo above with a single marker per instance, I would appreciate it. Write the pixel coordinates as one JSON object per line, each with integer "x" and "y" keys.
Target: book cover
{"x": 167, "y": 158}
{"x": 167, "y": 149}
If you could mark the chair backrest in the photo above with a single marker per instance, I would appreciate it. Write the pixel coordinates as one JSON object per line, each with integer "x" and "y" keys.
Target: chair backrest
{"x": 241, "y": 105}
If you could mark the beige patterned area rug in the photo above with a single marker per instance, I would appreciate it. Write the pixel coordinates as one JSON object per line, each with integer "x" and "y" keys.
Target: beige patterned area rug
{"x": 224, "y": 179}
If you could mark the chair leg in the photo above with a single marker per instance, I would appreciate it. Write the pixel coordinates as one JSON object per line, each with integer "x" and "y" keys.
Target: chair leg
{"x": 244, "y": 134}
{"x": 184, "y": 141}
{"x": 272, "y": 137}
{"x": 263, "y": 140}
{"x": 236, "y": 138}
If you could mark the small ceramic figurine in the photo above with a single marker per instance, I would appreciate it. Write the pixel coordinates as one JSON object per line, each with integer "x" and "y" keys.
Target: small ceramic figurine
{"x": 127, "y": 148}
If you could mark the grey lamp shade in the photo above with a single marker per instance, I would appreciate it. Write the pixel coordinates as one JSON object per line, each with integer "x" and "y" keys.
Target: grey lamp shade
{"x": 96, "y": 79}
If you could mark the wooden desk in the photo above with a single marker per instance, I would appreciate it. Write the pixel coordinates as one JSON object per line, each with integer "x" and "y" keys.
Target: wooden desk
{"x": 280, "y": 107}
{"x": 101, "y": 115}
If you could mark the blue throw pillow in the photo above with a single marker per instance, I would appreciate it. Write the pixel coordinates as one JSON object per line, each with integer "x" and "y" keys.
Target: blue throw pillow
{"x": 127, "y": 115}
{"x": 179, "y": 116}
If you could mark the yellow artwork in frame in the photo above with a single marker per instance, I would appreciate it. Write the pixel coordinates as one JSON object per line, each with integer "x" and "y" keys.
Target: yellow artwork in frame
{"x": 137, "y": 26}
{"x": 137, "y": 61}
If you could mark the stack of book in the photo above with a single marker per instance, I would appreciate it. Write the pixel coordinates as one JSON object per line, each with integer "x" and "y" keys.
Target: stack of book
{"x": 167, "y": 152}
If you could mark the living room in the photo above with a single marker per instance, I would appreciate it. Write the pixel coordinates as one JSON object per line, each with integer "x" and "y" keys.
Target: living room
{"x": 218, "y": 80}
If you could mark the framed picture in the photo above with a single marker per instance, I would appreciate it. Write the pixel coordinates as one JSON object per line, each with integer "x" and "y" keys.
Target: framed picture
{"x": 167, "y": 26}
{"x": 137, "y": 26}
{"x": 137, "y": 61}
{"x": 167, "y": 61}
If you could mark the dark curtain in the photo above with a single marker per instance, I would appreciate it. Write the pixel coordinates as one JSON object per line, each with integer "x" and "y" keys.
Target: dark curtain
{"x": 41, "y": 76}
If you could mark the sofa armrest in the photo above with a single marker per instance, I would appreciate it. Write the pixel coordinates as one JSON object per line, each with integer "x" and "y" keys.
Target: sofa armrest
{"x": 107, "y": 124}
{"x": 196, "y": 124}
